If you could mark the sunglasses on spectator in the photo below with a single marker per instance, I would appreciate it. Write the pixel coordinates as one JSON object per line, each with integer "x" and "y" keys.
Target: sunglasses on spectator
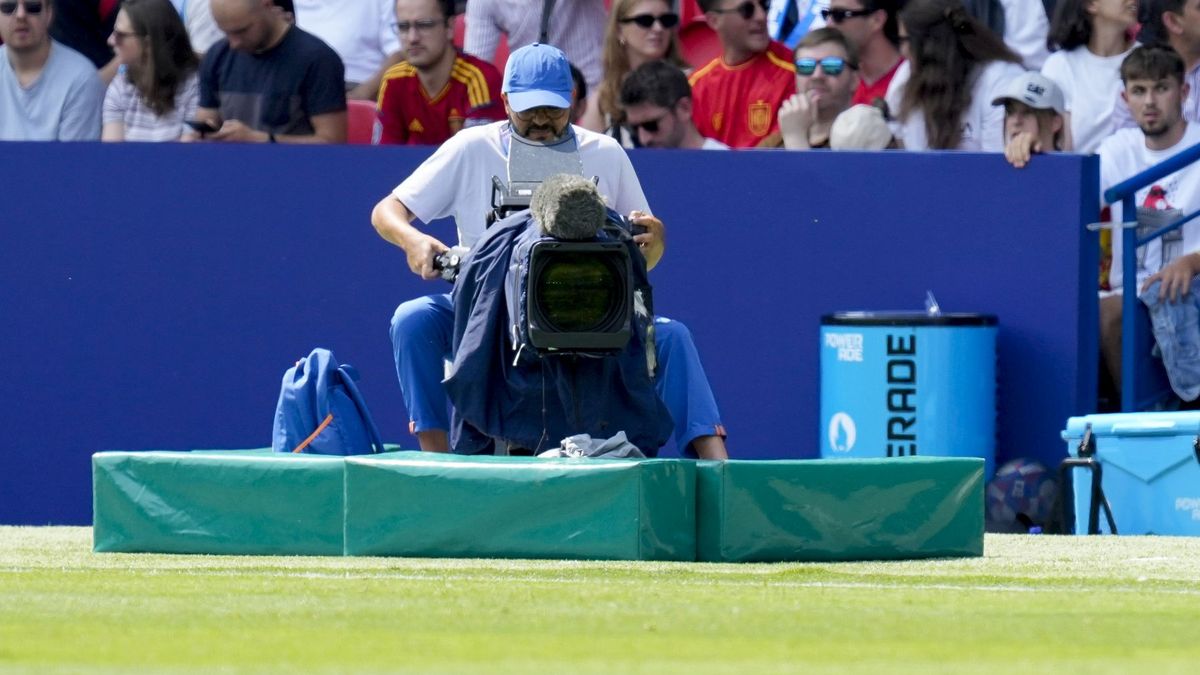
{"x": 667, "y": 21}
{"x": 746, "y": 9}
{"x": 840, "y": 15}
{"x": 32, "y": 7}
{"x": 120, "y": 36}
{"x": 422, "y": 26}
{"x": 830, "y": 65}
{"x": 651, "y": 126}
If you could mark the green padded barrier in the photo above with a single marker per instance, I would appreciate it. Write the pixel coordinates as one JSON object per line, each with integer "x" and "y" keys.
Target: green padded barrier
{"x": 224, "y": 503}
{"x": 819, "y": 510}
{"x": 432, "y": 505}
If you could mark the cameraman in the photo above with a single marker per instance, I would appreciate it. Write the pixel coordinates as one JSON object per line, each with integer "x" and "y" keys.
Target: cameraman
{"x": 456, "y": 181}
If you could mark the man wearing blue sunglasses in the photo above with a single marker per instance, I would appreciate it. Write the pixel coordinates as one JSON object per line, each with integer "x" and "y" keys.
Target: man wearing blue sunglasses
{"x": 826, "y": 77}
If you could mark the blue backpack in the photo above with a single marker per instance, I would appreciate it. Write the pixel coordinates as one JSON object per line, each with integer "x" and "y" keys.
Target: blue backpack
{"x": 321, "y": 411}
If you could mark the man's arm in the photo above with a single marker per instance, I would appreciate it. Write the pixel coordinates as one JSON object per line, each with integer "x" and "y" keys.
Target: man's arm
{"x": 82, "y": 111}
{"x": 483, "y": 35}
{"x": 393, "y": 222}
{"x": 652, "y": 242}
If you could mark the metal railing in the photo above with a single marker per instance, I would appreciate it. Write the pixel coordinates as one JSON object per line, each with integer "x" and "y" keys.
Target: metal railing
{"x": 1125, "y": 192}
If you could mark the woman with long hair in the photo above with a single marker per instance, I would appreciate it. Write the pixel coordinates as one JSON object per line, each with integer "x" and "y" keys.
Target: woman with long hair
{"x": 1092, "y": 38}
{"x": 638, "y": 31}
{"x": 157, "y": 87}
{"x": 958, "y": 67}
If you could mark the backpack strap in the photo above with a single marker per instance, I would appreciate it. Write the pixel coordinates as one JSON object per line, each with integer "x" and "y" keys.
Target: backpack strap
{"x": 547, "y": 10}
{"x": 349, "y": 376}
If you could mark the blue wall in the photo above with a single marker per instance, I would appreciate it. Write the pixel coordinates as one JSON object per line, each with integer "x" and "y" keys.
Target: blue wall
{"x": 152, "y": 296}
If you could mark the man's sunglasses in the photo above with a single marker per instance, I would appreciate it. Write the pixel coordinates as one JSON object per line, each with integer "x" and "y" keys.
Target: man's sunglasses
{"x": 840, "y": 15}
{"x": 667, "y": 21}
{"x": 746, "y": 9}
{"x": 651, "y": 126}
{"x": 830, "y": 65}
{"x": 31, "y": 7}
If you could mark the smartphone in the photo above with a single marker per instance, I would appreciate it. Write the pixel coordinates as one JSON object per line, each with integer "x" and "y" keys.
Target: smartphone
{"x": 201, "y": 126}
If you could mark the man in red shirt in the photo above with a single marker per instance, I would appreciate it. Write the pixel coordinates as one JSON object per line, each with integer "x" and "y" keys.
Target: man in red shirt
{"x": 872, "y": 27}
{"x": 737, "y": 94}
{"x": 435, "y": 90}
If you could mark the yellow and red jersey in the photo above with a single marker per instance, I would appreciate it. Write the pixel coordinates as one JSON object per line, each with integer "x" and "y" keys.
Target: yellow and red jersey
{"x": 737, "y": 105}
{"x": 409, "y": 115}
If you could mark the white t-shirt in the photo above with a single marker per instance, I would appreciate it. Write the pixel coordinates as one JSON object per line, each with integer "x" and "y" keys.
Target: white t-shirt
{"x": 1025, "y": 30}
{"x": 123, "y": 103}
{"x": 982, "y": 122}
{"x": 1164, "y": 201}
{"x": 1091, "y": 85}
{"x": 198, "y": 19}
{"x": 713, "y": 144}
{"x": 360, "y": 31}
{"x": 456, "y": 180}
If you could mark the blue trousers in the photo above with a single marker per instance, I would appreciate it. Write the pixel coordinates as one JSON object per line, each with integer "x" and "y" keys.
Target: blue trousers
{"x": 421, "y": 340}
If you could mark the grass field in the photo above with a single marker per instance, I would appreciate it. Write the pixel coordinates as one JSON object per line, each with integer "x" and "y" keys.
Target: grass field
{"x": 1031, "y": 604}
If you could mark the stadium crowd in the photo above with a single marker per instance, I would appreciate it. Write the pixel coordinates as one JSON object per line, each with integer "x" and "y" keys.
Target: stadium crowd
{"x": 1113, "y": 77}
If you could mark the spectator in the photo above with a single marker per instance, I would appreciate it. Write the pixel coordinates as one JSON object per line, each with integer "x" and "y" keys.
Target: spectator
{"x": 158, "y": 88}
{"x": 639, "y": 31}
{"x": 657, "y": 100}
{"x": 576, "y": 27}
{"x": 48, "y": 91}
{"x": 1178, "y": 21}
{"x": 268, "y": 81}
{"x": 202, "y": 30}
{"x": 738, "y": 93}
{"x": 861, "y": 127}
{"x": 1154, "y": 89}
{"x": 435, "y": 91}
{"x": 363, "y": 34}
{"x": 1092, "y": 39}
{"x": 958, "y": 67}
{"x": 457, "y": 181}
{"x": 579, "y": 97}
{"x": 84, "y": 25}
{"x": 826, "y": 79}
{"x": 1033, "y": 117}
{"x": 873, "y": 28}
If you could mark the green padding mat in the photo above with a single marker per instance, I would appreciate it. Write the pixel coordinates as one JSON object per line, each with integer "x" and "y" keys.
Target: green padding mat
{"x": 815, "y": 510}
{"x": 217, "y": 502}
{"x": 414, "y": 504}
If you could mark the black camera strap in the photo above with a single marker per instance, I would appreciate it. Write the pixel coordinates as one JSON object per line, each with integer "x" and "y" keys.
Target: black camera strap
{"x": 547, "y": 10}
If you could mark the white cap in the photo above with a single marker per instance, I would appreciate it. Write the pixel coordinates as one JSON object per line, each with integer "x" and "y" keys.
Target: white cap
{"x": 860, "y": 127}
{"x": 1034, "y": 90}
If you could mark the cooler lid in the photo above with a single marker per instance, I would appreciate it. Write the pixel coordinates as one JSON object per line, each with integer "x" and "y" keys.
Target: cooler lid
{"x": 906, "y": 319}
{"x": 1135, "y": 424}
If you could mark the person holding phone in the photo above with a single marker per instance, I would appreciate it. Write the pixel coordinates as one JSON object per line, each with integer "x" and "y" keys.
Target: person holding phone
{"x": 268, "y": 81}
{"x": 157, "y": 89}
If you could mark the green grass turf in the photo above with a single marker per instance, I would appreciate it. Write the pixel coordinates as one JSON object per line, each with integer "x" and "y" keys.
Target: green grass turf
{"x": 1031, "y": 604}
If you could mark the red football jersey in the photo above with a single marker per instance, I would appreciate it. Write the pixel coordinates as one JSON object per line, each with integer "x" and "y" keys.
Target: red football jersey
{"x": 869, "y": 93}
{"x": 738, "y": 105}
{"x": 410, "y": 116}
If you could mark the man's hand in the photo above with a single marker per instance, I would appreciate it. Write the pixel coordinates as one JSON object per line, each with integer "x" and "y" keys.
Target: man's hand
{"x": 796, "y": 117}
{"x": 1021, "y": 148}
{"x": 653, "y": 241}
{"x": 1176, "y": 278}
{"x": 233, "y": 131}
{"x": 421, "y": 250}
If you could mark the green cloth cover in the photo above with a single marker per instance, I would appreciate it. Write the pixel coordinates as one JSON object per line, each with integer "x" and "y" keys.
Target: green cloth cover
{"x": 221, "y": 503}
{"x": 839, "y": 509}
{"x": 433, "y": 505}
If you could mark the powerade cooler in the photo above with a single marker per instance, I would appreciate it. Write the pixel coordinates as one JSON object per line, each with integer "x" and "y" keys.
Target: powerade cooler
{"x": 902, "y": 384}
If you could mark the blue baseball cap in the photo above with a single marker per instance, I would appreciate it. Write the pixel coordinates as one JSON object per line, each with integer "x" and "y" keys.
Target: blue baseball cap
{"x": 538, "y": 75}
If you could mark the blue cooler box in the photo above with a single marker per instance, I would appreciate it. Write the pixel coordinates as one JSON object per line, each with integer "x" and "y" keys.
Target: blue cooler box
{"x": 902, "y": 383}
{"x": 1151, "y": 470}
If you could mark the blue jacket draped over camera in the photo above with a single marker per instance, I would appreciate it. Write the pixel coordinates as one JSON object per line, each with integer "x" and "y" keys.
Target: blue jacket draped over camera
{"x": 536, "y": 402}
